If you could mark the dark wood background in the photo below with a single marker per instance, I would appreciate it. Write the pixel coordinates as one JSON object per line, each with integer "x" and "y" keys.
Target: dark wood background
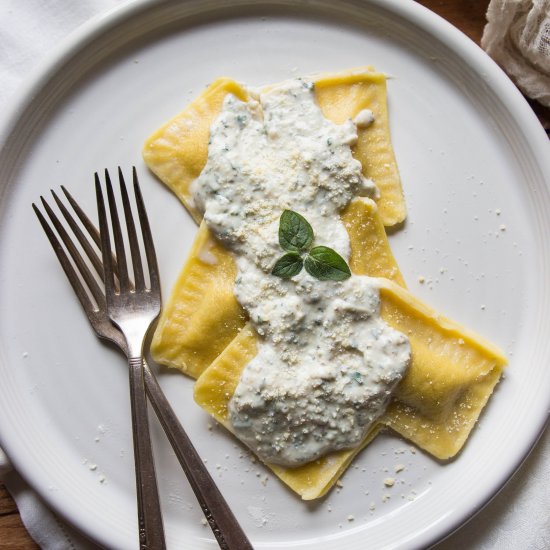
{"x": 469, "y": 17}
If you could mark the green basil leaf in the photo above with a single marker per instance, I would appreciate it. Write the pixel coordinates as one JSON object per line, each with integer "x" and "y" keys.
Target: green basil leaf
{"x": 295, "y": 233}
{"x": 325, "y": 264}
{"x": 288, "y": 266}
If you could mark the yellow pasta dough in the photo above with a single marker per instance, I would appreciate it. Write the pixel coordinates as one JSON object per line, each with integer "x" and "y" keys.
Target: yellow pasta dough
{"x": 177, "y": 151}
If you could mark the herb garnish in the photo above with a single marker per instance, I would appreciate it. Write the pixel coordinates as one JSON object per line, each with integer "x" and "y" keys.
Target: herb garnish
{"x": 295, "y": 233}
{"x": 289, "y": 265}
{"x": 296, "y": 237}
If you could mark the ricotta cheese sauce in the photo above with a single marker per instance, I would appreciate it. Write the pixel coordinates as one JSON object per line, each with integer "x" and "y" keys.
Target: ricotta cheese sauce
{"x": 326, "y": 363}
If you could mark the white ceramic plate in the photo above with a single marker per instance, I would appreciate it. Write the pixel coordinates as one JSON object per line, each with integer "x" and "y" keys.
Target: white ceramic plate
{"x": 472, "y": 158}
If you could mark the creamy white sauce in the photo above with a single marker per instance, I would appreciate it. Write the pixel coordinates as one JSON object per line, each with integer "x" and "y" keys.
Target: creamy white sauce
{"x": 364, "y": 118}
{"x": 326, "y": 363}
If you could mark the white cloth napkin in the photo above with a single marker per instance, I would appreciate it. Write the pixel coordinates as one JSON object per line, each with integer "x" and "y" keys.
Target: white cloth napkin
{"x": 517, "y": 37}
{"x": 46, "y": 528}
{"x": 518, "y": 518}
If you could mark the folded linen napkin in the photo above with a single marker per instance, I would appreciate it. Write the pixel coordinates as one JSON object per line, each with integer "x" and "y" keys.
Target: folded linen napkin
{"x": 46, "y": 528}
{"x": 517, "y": 37}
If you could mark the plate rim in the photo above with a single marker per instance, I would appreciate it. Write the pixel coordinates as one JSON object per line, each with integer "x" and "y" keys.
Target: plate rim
{"x": 51, "y": 66}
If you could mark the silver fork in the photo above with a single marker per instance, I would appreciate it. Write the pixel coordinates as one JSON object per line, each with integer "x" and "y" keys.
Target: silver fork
{"x": 133, "y": 308}
{"x": 223, "y": 523}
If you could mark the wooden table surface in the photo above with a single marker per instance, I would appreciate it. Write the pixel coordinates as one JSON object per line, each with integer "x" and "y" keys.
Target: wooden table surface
{"x": 469, "y": 17}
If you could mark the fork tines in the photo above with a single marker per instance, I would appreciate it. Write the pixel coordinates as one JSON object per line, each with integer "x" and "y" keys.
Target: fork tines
{"x": 60, "y": 251}
{"x": 120, "y": 253}
{"x": 89, "y": 240}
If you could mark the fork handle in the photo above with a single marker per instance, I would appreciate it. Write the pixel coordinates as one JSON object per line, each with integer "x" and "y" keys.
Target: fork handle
{"x": 151, "y": 530}
{"x": 223, "y": 523}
